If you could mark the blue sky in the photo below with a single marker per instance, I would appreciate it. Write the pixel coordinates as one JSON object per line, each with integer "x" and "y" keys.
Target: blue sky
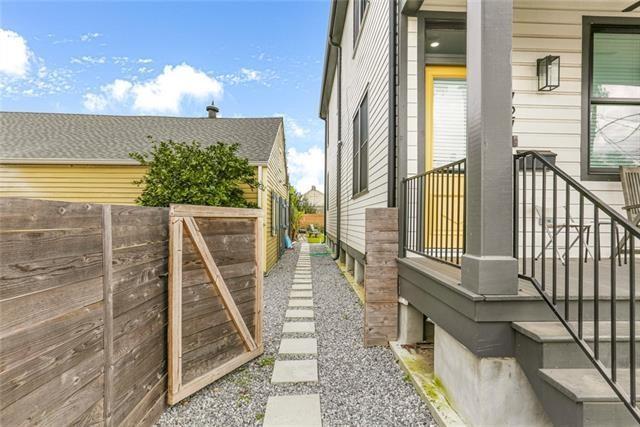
{"x": 171, "y": 58}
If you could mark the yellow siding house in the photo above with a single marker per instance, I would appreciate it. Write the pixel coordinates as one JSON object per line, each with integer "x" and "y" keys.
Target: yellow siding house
{"x": 85, "y": 158}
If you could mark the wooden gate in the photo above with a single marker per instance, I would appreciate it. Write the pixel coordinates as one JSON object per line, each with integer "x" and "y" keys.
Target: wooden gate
{"x": 215, "y": 294}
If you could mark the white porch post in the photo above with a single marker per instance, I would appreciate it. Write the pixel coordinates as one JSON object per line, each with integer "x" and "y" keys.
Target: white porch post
{"x": 488, "y": 267}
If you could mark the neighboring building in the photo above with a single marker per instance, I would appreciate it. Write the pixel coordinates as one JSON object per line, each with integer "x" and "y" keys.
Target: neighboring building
{"x": 315, "y": 198}
{"x": 85, "y": 158}
{"x": 395, "y": 99}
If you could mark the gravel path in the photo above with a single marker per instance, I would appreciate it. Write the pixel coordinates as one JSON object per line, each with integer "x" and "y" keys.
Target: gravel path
{"x": 357, "y": 386}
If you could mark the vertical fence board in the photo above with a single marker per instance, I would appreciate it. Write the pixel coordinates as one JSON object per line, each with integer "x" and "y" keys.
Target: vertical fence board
{"x": 107, "y": 280}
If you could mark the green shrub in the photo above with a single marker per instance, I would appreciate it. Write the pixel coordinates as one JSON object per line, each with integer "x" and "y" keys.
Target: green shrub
{"x": 189, "y": 173}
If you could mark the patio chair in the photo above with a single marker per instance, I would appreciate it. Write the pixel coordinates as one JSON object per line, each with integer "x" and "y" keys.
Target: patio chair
{"x": 560, "y": 226}
{"x": 630, "y": 180}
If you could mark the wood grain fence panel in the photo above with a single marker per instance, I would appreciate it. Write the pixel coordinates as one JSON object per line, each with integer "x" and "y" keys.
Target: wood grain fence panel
{"x": 140, "y": 267}
{"x": 26, "y": 214}
{"x": 84, "y": 309}
{"x": 217, "y": 293}
{"x": 58, "y": 338}
{"x": 51, "y": 311}
{"x": 42, "y": 306}
{"x": 37, "y": 342}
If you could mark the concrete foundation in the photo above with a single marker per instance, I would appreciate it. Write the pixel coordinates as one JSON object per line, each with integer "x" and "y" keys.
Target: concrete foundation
{"x": 358, "y": 272}
{"x": 485, "y": 390}
{"x": 349, "y": 261}
{"x": 410, "y": 323}
{"x": 343, "y": 256}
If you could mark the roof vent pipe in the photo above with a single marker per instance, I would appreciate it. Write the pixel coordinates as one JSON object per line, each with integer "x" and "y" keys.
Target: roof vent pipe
{"x": 212, "y": 110}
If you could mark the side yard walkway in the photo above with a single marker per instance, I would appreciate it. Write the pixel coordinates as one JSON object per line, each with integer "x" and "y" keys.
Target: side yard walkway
{"x": 314, "y": 367}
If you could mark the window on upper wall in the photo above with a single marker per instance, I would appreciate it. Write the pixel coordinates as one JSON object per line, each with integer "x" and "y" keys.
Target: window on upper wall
{"x": 361, "y": 148}
{"x": 359, "y": 9}
{"x": 611, "y": 102}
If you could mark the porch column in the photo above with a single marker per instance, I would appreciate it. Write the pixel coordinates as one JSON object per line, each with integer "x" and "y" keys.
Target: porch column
{"x": 488, "y": 266}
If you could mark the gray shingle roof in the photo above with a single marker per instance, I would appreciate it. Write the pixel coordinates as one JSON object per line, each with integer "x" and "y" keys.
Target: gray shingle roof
{"x": 84, "y": 137}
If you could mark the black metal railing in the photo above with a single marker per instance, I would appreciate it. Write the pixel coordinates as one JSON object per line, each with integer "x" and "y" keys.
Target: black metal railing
{"x": 435, "y": 213}
{"x": 579, "y": 253}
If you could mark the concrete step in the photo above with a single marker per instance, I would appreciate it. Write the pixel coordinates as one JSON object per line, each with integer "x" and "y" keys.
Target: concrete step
{"x": 551, "y": 343}
{"x": 569, "y": 388}
{"x": 581, "y": 397}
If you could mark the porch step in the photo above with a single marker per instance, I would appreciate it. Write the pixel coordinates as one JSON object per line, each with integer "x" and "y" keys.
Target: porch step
{"x": 604, "y": 307}
{"x": 572, "y": 392}
{"x": 581, "y": 397}
{"x": 558, "y": 350}
{"x": 585, "y": 385}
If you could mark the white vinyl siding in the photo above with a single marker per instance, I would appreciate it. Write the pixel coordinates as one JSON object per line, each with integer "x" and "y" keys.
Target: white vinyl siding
{"x": 366, "y": 71}
{"x": 551, "y": 120}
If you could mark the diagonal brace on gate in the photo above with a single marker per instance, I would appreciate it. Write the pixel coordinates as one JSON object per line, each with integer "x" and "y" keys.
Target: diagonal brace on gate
{"x": 218, "y": 282}
{"x": 182, "y": 221}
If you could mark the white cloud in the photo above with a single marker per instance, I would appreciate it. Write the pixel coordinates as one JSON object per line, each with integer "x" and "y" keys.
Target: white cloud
{"x": 293, "y": 127}
{"x": 89, "y": 60}
{"x": 145, "y": 70}
{"x": 246, "y": 75}
{"x": 306, "y": 168}
{"x": 166, "y": 91}
{"x": 120, "y": 60}
{"x": 94, "y": 102}
{"x": 15, "y": 57}
{"x": 89, "y": 36}
{"x": 162, "y": 94}
{"x": 251, "y": 75}
{"x": 118, "y": 90}
{"x": 145, "y": 61}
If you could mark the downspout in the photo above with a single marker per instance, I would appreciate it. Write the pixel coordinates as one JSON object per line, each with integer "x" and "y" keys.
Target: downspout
{"x": 339, "y": 159}
{"x": 393, "y": 75}
{"x": 326, "y": 183}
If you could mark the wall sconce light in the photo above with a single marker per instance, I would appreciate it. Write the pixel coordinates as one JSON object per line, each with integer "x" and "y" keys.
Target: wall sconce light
{"x": 548, "y": 70}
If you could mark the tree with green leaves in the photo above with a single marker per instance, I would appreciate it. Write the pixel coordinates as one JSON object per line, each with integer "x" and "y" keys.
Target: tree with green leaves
{"x": 298, "y": 206}
{"x": 190, "y": 173}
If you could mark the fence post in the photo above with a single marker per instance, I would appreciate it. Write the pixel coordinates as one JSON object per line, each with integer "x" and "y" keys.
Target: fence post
{"x": 107, "y": 286}
{"x": 381, "y": 276}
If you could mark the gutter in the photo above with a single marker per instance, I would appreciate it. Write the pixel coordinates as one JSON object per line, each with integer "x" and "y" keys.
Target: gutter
{"x": 393, "y": 75}
{"x": 68, "y": 161}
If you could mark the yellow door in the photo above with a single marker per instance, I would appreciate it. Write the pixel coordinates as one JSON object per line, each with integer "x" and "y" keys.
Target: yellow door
{"x": 446, "y": 140}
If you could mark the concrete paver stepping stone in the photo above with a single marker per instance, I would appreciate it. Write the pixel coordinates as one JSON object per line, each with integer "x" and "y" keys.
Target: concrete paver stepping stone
{"x": 304, "y": 281}
{"x": 301, "y": 294}
{"x": 293, "y": 314}
{"x": 299, "y": 328}
{"x": 300, "y": 303}
{"x": 293, "y": 410}
{"x": 295, "y": 371}
{"x": 301, "y": 287}
{"x": 298, "y": 346}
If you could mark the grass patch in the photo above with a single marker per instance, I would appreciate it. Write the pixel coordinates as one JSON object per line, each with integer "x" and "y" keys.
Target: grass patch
{"x": 316, "y": 239}
{"x": 267, "y": 361}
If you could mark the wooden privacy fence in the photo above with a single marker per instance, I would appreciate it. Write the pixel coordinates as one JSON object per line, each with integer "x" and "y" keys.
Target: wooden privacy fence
{"x": 215, "y": 294}
{"x": 84, "y": 309}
